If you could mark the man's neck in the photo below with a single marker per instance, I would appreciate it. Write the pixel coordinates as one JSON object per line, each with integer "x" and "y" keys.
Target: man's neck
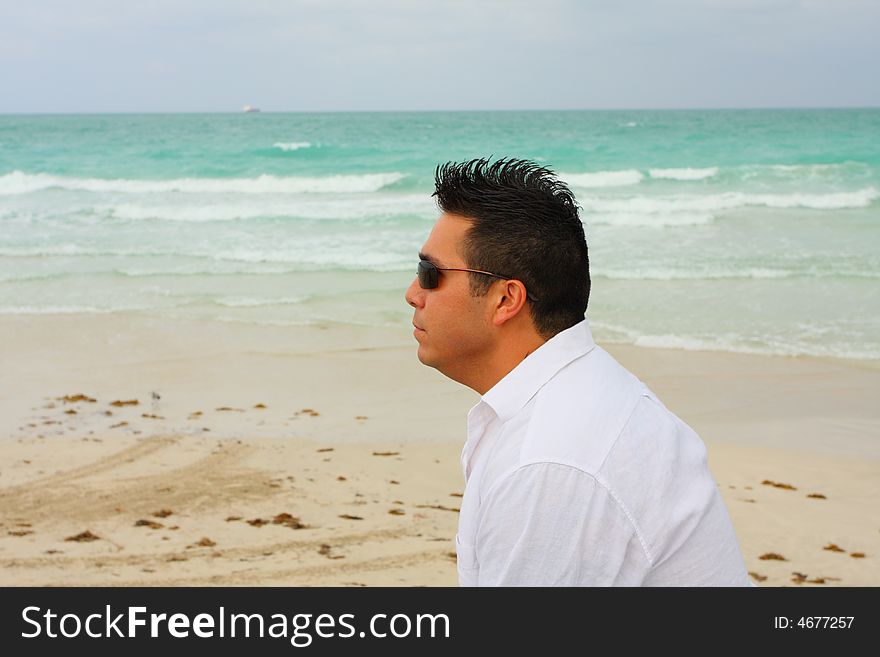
{"x": 501, "y": 362}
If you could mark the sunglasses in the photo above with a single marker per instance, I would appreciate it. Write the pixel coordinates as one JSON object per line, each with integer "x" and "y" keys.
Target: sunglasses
{"x": 429, "y": 275}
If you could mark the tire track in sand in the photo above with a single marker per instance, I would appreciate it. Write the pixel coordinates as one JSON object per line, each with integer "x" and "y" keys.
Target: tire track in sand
{"x": 306, "y": 574}
{"x": 208, "y": 482}
{"x": 112, "y": 461}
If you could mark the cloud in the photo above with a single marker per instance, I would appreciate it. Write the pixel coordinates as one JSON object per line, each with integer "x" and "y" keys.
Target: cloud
{"x": 97, "y": 55}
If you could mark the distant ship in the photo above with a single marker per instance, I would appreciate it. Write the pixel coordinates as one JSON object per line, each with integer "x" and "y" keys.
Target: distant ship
{"x": 250, "y": 108}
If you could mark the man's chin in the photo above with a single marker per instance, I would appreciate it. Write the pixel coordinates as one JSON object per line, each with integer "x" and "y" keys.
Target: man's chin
{"x": 425, "y": 357}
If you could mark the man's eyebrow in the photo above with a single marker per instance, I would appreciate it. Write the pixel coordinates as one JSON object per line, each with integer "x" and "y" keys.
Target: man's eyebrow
{"x": 434, "y": 261}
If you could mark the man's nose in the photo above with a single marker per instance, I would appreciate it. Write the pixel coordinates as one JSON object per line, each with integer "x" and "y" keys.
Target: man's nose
{"x": 414, "y": 294}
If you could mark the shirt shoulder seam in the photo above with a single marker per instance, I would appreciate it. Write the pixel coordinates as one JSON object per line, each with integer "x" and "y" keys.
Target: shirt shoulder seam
{"x": 643, "y": 394}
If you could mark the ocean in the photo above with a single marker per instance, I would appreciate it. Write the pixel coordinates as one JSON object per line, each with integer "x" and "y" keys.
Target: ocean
{"x": 747, "y": 231}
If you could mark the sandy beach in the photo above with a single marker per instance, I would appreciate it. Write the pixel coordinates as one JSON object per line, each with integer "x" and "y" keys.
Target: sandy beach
{"x": 328, "y": 455}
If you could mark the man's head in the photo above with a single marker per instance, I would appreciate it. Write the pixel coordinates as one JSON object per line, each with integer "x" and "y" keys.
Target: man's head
{"x": 512, "y": 218}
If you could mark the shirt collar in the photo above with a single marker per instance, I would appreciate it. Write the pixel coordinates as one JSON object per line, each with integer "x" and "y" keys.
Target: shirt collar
{"x": 518, "y": 386}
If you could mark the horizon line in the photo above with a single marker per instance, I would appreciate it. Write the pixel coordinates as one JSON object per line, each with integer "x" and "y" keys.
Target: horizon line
{"x": 447, "y": 111}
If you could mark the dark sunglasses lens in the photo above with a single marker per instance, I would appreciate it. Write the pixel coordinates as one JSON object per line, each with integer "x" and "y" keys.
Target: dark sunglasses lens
{"x": 428, "y": 275}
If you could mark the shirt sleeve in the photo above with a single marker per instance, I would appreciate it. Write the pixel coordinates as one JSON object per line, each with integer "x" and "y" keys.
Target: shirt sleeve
{"x": 548, "y": 524}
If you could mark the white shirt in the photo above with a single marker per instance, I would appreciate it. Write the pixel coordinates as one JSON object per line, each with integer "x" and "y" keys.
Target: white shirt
{"x": 577, "y": 475}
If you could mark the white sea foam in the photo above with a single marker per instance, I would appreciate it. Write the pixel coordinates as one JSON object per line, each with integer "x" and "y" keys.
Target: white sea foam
{"x": 603, "y": 178}
{"x": 683, "y": 174}
{"x": 710, "y": 203}
{"x": 210, "y": 268}
{"x": 22, "y": 278}
{"x": 63, "y": 310}
{"x": 770, "y": 347}
{"x": 648, "y": 219}
{"x": 370, "y": 253}
{"x": 19, "y": 182}
{"x": 804, "y": 168}
{"x": 670, "y": 274}
{"x": 352, "y": 207}
{"x": 731, "y": 342}
{"x": 249, "y": 302}
{"x": 291, "y": 146}
{"x": 312, "y": 256}
{"x": 794, "y": 172}
{"x": 47, "y": 250}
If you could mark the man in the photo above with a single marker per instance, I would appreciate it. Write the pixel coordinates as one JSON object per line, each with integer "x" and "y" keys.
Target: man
{"x": 576, "y": 473}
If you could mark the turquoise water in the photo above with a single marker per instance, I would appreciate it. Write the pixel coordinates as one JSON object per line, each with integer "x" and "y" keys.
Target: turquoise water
{"x": 735, "y": 230}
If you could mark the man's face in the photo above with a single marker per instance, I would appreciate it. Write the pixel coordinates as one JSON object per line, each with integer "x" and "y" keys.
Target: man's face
{"x": 455, "y": 327}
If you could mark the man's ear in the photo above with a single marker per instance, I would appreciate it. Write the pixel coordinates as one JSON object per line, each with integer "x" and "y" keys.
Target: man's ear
{"x": 510, "y": 301}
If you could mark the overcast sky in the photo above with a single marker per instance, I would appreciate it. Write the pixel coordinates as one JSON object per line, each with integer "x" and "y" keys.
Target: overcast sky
{"x": 352, "y": 55}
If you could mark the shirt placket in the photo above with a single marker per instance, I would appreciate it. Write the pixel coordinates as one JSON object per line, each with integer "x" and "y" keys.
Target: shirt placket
{"x": 478, "y": 420}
